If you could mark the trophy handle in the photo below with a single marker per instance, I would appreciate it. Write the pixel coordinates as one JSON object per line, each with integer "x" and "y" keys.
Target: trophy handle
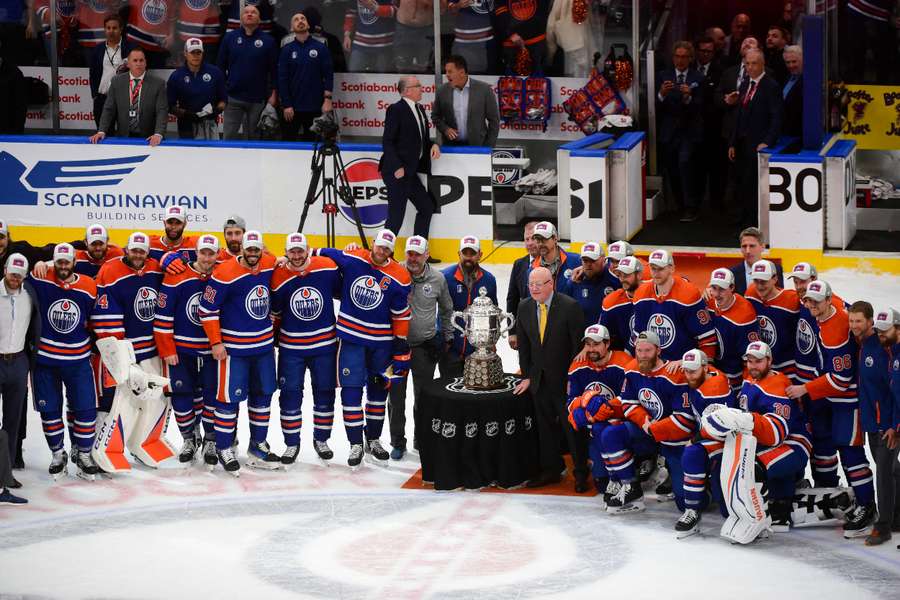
{"x": 457, "y": 314}
{"x": 508, "y": 318}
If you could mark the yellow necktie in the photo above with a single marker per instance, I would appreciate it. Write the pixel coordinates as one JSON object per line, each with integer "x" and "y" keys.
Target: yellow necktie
{"x": 542, "y": 322}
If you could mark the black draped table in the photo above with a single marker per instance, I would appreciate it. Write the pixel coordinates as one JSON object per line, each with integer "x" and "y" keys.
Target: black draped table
{"x": 473, "y": 439}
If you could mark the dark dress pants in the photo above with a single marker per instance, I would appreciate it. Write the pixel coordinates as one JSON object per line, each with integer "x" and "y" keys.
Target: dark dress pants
{"x": 409, "y": 187}
{"x": 553, "y": 428}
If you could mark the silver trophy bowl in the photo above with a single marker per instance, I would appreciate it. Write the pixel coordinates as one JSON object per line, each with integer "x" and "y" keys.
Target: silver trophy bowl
{"x": 483, "y": 324}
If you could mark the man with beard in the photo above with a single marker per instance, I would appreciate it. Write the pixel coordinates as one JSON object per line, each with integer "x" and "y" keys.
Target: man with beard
{"x": 96, "y": 251}
{"x": 174, "y": 251}
{"x": 465, "y": 282}
{"x": 518, "y": 279}
{"x": 233, "y": 231}
{"x": 618, "y": 308}
{"x": 735, "y": 323}
{"x": 596, "y": 283}
{"x": 66, "y": 301}
{"x": 776, "y": 314}
{"x": 551, "y": 256}
{"x": 887, "y": 324}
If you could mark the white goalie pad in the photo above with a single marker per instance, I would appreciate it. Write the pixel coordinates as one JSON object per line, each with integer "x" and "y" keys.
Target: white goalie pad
{"x": 747, "y": 508}
{"x": 821, "y": 506}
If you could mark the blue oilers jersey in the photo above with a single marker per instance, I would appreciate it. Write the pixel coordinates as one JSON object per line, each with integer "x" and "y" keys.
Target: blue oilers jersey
{"x": 736, "y": 327}
{"x": 617, "y": 315}
{"x": 178, "y": 329}
{"x": 65, "y": 314}
{"x": 473, "y": 23}
{"x": 780, "y": 418}
{"x": 680, "y": 319}
{"x": 590, "y": 293}
{"x": 303, "y": 307}
{"x": 374, "y": 28}
{"x": 662, "y": 398}
{"x": 777, "y": 320}
{"x": 126, "y": 304}
{"x": 608, "y": 379}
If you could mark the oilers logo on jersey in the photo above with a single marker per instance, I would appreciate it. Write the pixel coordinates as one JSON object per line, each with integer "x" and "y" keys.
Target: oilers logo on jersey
{"x": 199, "y": 4}
{"x": 145, "y": 303}
{"x": 743, "y": 401}
{"x": 604, "y": 390}
{"x": 154, "y": 11}
{"x": 662, "y": 326}
{"x": 870, "y": 361}
{"x": 64, "y": 315}
{"x": 806, "y": 339}
{"x": 482, "y": 7}
{"x": 767, "y": 332}
{"x": 651, "y": 402}
{"x": 307, "y": 303}
{"x": 192, "y": 309}
{"x": 366, "y": 14}
{"x": 365, "y": 292}
{"x": 257, "y": 302}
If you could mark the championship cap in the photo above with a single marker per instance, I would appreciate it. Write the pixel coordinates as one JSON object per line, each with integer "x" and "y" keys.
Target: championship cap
{"x": 619, "y": 250}
{"x": 803, "y": 271}
{"x": 4, "y": 229}
{"x": 295, "y": 240}
{"x": 176, "y": 212}
{"x": 470, "y": 241}
{"x": 757, "y": 350}
{"x": 722, "y": 278}
{"x": 647, "y": 336}
{"x": 598, "y": 333}
{"x": 887, "y": 318}
{"x": 660, "y": 258}
{"x": 64, "y": 252}
{"x": 208, "y": 242}
{"x": 385, "y": 238}
{"x": 17, "y": 264}
{"x": 95, "y": 233}
{"x": 253, "y": 239}
{"x": 417, "y": 244}
{"x": 544, "y": 229}
{"x": 235, "y": 221}
{"x": 762, "y": 269}
{"x": 193, "y": 45}
{"x": 693, "y": 360}
{"x": 629, "y": 265}
{"x": 818, "y": 290}
{"x": 138, "y": 241}
{"x": 592, "y": 250}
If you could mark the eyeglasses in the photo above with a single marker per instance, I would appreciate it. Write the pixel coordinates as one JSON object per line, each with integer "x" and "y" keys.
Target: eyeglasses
{"x": 538, "y": 285}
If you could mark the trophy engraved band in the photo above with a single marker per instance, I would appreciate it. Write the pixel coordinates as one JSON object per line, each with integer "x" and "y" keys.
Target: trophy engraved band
{"x": 483, "y": 325}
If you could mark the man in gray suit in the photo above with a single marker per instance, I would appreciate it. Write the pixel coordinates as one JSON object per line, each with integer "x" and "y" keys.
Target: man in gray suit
{"x": 136, "y": 105}
{"x": 549, "y": 327}
{"x": 465, "y": 111}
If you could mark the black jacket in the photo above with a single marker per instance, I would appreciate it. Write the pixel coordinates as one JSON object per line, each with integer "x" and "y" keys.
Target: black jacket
{"x": 548, "y": 362}
{"x": 518, "y": 284}
{"x": 34, "y": 326}
{"x": 760, "y": 121}
{"x": 402, "y": 141}
{"x": 793, "y": 110}
{"x": 13, "y": 99}
{"x": 677, "y": 119}
{"x": 98, "y": 55}
{"x": 740, "y": 277}
{"x": 727, "y": 84}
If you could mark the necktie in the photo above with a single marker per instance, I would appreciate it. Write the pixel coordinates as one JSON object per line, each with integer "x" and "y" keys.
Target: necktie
{"x": 749, "y": 95}
{"x": 789, "y": 85}
{"x": 135, "y": 101}
{"x": 542, "y": 322}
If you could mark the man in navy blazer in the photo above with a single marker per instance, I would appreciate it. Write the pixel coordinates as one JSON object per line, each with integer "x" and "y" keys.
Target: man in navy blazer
{"x": 107, "y": 59}
{"x": 679, "y": 98}
{"x": 757, "y": 126}
{"x": 753, "y": 244}
{"x": 793, "y": 92}
{"x": 406, "y": 160}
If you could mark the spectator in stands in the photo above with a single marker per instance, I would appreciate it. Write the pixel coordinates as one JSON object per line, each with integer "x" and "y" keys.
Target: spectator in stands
{"x": 201, "y": 20}
{"x": 249, "y": 59}
{"x": 473, "y": 35}
{"x": 414, "y": 35}
{"x": 679, "y": 101}
{"x": 67, "y": 51}
{"x": 136, "y": 104}
{"x": 575, "y": 37}
{"x": 465, "y": 110}
{"x": 107, "y": 60}
{"x": 90, "y": 20}
{"x": 151, "y": 26}
{"x": 265, "y": 8}
{"x": 776, "y": 40}
{"x": 331, "y": 41}
{"x": 305, "y": 81}
{"x": 719, "y": 39}
{"x": 740, "y": 30}
{"x": 15, "y": 25}
{"x": 13, "y": 97}
{"x": 369, "y": 35}
{"x": 518, "y": 279}
{"x": 871, "y": 28}
{"x": 710, "y": 174}
{"x": 757, "y": 126}
{"x": 753, "y": 244}
{"x": 522, "y": 25}
{"x": 792, "y": 92}
{"x": 196, "y": 94}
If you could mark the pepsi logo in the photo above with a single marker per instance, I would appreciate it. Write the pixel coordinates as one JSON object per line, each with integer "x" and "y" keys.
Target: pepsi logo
{"x": 257, "y": 302}
{"x": 365, "y": 293}
{"x": 64, "y": 316}
{"x": 664, "y": 328}
{"x": 368, "y": 191}
{"x": 307, "y": 303}
{"x": 145, "y": 303}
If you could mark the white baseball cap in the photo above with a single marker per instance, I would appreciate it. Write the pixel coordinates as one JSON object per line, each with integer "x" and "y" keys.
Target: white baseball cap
{"x": 592, "y": 250}
{"x": 544, "y": 229}
{"x": 818, "y": 290}
{"x": 4, "y": 228}
{"x": 417, "y": 244}
{"x": 385, "y": 238}
{"x": 722, "y": 278}
{"x": 208, "y": 242}
{"x": 253, "y": 239}
{"x": 629, "y": 265}
{"x": 176, "y": 212}
{"x": 619, "y": 250}
{"x": 693, "y": 360}
{"x": 193, "y": 44}
{"x": 470, "y": 241}
{"x": 763, "y": 269}
{"x": 887, "y": 318}
{"x": 660, "y": 258}
{"x": 64, "y": 252}
{"x": 17, "y": 264}
{"x": 138, "y": 241}
{"x": 295, "y": 240}
{"x": 598, "y": 333}
{"x": 95, "y": 233}
{"x": 804, "y": 271}
{"x": 757, "y": 350}
{"x": 647, "y": 336}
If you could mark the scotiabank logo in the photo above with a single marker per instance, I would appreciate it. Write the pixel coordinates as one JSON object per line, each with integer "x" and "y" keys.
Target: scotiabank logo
{"x": 369, "y": 193}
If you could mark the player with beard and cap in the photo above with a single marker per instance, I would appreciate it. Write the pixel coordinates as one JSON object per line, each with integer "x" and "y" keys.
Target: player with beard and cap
{"x": 776, "y": 315}
{"x": 596, "y": 283}
{"x": 174, "y": 250}
{"x": 734, "y": 319}
{"x": 617, "y": 313}
{"x": 551, "y": 256}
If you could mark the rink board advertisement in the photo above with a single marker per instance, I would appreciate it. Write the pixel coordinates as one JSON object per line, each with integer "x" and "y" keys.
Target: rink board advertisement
{"x": 361, "y": 101}
{"x": 873, "y": 117}
{"x": 795, "y": 201}
{"x": 54, "y": 182}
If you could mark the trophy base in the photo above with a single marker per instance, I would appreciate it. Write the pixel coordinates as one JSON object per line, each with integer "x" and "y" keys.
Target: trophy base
{"x": 483, "y": 373}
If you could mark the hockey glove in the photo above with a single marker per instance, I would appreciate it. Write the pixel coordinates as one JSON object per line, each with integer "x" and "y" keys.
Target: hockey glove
{"x": 172, "y": 263}
{"x": 400, "y": 362}
{"x": 592, "y": 401}
{"x": 578, "y": 419}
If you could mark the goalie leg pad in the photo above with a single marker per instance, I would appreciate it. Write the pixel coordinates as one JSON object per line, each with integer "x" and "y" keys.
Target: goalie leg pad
{"x": 747, "y": 508}
{"x": 815, "y": 506}
{"x": 109, "y": 442}
{"x": 146, "y": 439}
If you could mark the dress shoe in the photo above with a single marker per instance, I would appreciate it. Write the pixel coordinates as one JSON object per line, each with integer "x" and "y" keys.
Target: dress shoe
{"x": 581, "y": 484}
{"x": 544, "y": 479}
{"x": 689, "y": 216}
{"x": 14, "y": 485}
{"x": 879, "y": 535}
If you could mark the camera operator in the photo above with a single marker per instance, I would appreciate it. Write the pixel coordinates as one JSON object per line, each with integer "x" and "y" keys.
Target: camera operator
{"x": 305, "y": 81}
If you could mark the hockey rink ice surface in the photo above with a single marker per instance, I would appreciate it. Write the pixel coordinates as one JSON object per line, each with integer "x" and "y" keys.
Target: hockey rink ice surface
{"x": 324, "y": 532}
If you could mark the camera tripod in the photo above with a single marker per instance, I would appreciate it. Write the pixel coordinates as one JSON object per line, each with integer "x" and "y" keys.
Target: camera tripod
{"x": 333, "y": 189}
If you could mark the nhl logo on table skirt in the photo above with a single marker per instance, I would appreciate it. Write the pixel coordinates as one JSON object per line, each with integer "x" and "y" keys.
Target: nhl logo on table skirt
{"x": 257, "y": 302}
{"x": 145, "y": 304}
{"x": 64, "y": 315}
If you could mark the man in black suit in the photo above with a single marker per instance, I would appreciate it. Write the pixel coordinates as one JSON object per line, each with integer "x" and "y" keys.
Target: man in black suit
{"x": 757, "y": 126}
{"x": 712, "y": 147}
{"x": 106, "y": 61}
{"x": 518, "y": 280}
{"x": 407, "y": 154}
{"x": 776, "y": 41}
{"x": 549, "y": 328}
{"x": 753, "y": 244}
{"x": 793, "y": 92}
{"x": 679, "y": 101}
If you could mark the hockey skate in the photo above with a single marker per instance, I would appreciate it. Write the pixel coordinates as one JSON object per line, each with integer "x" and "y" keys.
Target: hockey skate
{"x": 780, "y": 511}
{"x": 260, "y": 456}
{"x": 629, "y": 499}
{"x": 356, "y": 456}
{"x": 323, "y": 452}
{"x": 290, "y": 455}
{"x": 612, "y": 488}
{"x": 229, "y": 462}
{"x": 664, "y": 491}
{"x": 188, "y": 451}
{"x": 209, "y": 454}
{"x": 377, "y": 451}
{"x": 860, "y": 520}
{"x": 688, "y": 524}
{"x": 58, "y": 464}
{"x": 646, "y": 468}
{"x": 85, "y": 466}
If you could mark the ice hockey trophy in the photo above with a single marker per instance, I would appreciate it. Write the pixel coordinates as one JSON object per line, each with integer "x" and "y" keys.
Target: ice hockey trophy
{"x": 484, "y": 324}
